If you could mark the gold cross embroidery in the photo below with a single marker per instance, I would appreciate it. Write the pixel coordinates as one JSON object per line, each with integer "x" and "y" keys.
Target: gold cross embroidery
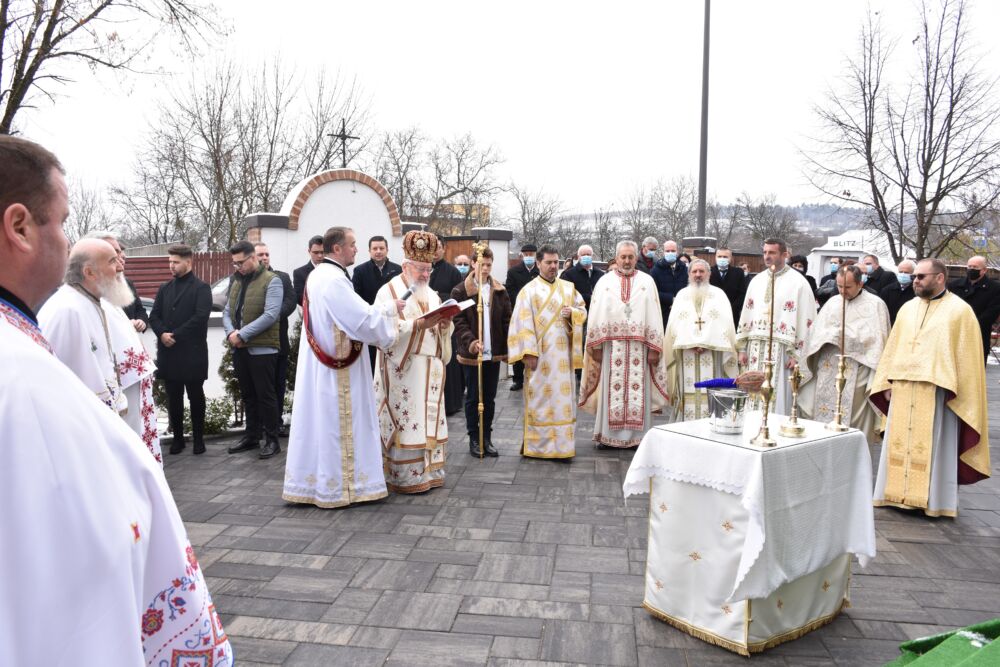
{"x": 663, "y": 507}
{"x": 826, "y": 586}
{"x": 699, "y": 322}
{"x": 659, "y": 586}
{"x": 726, "y": 609}
{"x": 695, "y": 556}
{"x": 727, "y": 526}
{"x": 780, "y": 604}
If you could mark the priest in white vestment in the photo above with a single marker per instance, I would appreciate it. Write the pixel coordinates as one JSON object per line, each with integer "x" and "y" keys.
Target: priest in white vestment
{"x": 97, "y": 567}
{"x": 700, "y": 343}
{"x": 794, "y": 312}
{"x": 624, "y": 377}
{"x": 864, "y": 339}
{"x": 334, "y": 447}
{"x": 76, "y": 325}
{"x": 134, "y": 364}
{"x": 546, "y": 334}
{"x": 410, "y": 375}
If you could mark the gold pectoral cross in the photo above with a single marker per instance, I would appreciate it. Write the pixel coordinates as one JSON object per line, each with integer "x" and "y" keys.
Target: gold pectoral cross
{"x": 699, "y": 322}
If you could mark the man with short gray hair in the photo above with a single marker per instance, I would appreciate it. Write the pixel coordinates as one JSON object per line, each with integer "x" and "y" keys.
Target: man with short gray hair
{"x": 646, "y": 254}
{"x": 896, "y": 295}
{"x": 584, "y": 275}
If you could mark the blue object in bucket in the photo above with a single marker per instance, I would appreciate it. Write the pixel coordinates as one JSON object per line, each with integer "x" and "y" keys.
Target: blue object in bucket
{"x": 716, "y": 383}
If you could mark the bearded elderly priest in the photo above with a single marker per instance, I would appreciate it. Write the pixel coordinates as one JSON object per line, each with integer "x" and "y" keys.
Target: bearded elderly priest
{"x": 700, "y": 342}
{"x": 135, "y": 366}
{"x": 334, "y": 447}
{"x": 546, "y": 333}
{"x": 794, "y": 312}
{"x": 864, "y": 339}
{"x": 932, "y": 385}
{"x": 409, "y": 380}
{"x": 625, "y": 370}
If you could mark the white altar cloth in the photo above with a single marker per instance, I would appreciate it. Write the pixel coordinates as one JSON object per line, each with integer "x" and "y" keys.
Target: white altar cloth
{"x": 732, "y": 524}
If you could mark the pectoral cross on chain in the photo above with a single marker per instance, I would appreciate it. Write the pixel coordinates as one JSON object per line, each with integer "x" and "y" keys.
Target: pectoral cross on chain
{"x": 628, "y": 310}
{"x": 699, "y": 322}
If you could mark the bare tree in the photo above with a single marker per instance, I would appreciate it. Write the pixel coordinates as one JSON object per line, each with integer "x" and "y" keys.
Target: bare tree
{"x": 230, "y": 144}
{"x": 763, "y": 218}
{"x": 399, "y": 160}
{"x": 925, "y": 161}
{"x": 153, "y": 206}
{"x": 637, "y": 218}
{"x": 461, "y": 185}
{"x": 605, "y": 235}
{"x": 89, "y": 210}
{"x": 721, "y": 222}
{"x": 533, "y": 220}
{"x": 675, "y": 207}
{"x": 40, "y": 41}
{"x": 569, "y": 232}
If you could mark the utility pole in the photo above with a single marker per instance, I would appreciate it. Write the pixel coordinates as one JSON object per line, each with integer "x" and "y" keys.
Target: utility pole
{"x": 703, "y": 165}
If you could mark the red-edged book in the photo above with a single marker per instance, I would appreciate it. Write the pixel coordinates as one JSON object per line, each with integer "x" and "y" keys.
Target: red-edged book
{"x": 448, "y": 309}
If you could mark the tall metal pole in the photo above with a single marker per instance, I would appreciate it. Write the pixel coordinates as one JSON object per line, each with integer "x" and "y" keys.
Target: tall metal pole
{"x": 703, "y": 166}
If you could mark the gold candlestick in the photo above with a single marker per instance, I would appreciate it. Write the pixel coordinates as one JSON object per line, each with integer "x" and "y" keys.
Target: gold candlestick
{"x": 792, "y": 428}
{"x": 763, "y": 438}
{"x": 838, "y": 419}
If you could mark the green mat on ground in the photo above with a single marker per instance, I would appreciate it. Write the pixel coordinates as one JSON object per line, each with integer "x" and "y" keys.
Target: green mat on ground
{"x": 974, "y": 646}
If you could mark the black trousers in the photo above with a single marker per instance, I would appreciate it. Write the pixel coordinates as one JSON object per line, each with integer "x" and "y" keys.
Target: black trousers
{"x": 280, "y": 383}
{"x": 175, "y": 407}
{"x": 519, "y": 372}
{"x": 372, "y": 351}
{"x": 491, "y": 376}
{"x": 255, "y": 374}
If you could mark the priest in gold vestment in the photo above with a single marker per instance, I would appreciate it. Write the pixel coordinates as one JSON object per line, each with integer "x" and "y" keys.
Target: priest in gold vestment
{"x": 546, "y": 332}
{"x": 864, "y": 339}
{"x": 700, "y": 343}
{"x": 932, "y": 385}
{"x": 624, "y": 378}
{"x": 410, "y": 376}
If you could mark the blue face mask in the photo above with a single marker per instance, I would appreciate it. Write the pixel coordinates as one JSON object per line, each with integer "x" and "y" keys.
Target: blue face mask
{"x": 671, "y": 257}
{"x": 869, "y": 268}
{"x": 651, "y": 254}
{"x": 864, "y": 278}
{"x": 723, "y": 263}
{"x": 904, "y": 279}
{"x": 529, "y": 262}
{"x": 834, "y": 267}
{"x": 586, "y": 260}
{"x": 463, "y": 269}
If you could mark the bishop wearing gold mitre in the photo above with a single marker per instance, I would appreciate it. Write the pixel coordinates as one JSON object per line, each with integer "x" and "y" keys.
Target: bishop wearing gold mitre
{"x": 410, "y": 375}
{"x": 546, "y": 332}
{"x": 931, "y": 384}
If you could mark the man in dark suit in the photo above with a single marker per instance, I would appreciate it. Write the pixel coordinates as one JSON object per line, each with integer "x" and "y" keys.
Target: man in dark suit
{"x": 288, "y": 305}
{"x": 801, "y": 264}
{"x": 647, "y": 255}
{"x": 300, "y": 274}
{"x": 730, "y": 279}
{"x": 584, "y": 275}
{"x": 878, "y": 278}
{"x": 896, "y": 295}
{"x": 180, "y": 321}
{"x": 982, "y": 294}
{"x": 371, "y": 275}
{"x": 445, "y": 276}
{"x": 517, "y": 277}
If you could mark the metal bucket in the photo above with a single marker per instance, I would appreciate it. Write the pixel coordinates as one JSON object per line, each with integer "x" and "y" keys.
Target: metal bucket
{"x": 726, "y": 408}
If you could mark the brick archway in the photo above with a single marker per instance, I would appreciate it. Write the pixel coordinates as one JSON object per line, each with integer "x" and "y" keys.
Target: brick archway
{"x": 345, "y": 175}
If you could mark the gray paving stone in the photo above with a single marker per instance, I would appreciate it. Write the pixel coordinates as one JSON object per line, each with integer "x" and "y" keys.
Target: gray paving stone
{"x": 515, "y": 569}
{"x": 477, "y": 624}
{"x": 305, "y": 585}
{"x": 293, "y": 610}
{"x": 266, "y": 651}
{"x": 314, "y": 655}
{"x": 415, "y": 611}
{"x": 559, "y": 533}
{"x": 594, "y": 643}
{"x": 522, "y": 648}
{"x": 399, "y": 575}
{"x": 351, "y": 606}
{"x": 607, "y": 560}
{"x": 436, "y": 649}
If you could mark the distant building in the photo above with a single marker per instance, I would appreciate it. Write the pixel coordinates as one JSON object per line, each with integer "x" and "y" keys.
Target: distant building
{"x": 854, "y": 244}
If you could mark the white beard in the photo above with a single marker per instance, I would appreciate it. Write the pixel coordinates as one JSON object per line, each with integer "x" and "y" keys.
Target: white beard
{"x": 699, "y": 292}
{"x": 116, "y": 291}
{"x": 421, "y": 291}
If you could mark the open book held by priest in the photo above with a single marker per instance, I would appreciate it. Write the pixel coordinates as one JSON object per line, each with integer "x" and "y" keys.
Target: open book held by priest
{"x": 448, "y": 309}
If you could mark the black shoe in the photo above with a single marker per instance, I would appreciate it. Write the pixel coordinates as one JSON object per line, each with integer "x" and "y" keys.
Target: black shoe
{"x": 177, "y": 446}
{"x": 488, "y": 448}
{"x": 199, "y": 447}
{"x": 517, "y": 386}
{"x": 244, "y": 445}
{"x": 474, "y": 447}
{"x": 283, "y": 431}
{"x": 270, "y": 448}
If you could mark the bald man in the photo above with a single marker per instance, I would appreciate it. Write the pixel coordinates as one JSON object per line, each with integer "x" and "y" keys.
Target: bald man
{"x": 896, "y": 295}
{"x": 983, "y": 294}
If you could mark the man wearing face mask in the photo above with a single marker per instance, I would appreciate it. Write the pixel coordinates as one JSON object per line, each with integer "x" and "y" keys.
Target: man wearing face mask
{"x": 730, "y": 279}
{"x": 583, "y": 274}
{"x": 982, "y": 294}
{"x": 896, "y": 295}
{"x": 670, "y": 276}
{"x": 647, "y": 255}
{"x": 517, "y": 277}
{"x": 828, "y": 285}
{"x": 801, "y": 264}
{"x": 877, "y": 278}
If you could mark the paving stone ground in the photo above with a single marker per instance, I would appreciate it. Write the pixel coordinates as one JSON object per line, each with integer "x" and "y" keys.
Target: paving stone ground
{"x": 530, "y": 562}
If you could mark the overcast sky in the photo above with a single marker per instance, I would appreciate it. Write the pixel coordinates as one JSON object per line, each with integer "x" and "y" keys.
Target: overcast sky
{"x": 585, "y": 100}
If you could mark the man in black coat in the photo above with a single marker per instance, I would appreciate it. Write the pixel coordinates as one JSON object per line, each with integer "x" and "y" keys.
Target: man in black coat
{"x": 670, "y": 275}
{"x": 982, "y": 294}
{"x": 730, "y": 279}
{"x": 896, "y": 295}
{"x": 288, "y": 305}
{"x": 301, "y": 274}
{"x": 878, "y": 278}
{"x": 180, "y": 322}
{"x": 584, "y": 275}
{"x": 517, "y": 277}
{"x": 135, "y": 311}
{"x": 369, "y": 276}
{"x": 445, "y": 276}
{"x": 801, "y": 264}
